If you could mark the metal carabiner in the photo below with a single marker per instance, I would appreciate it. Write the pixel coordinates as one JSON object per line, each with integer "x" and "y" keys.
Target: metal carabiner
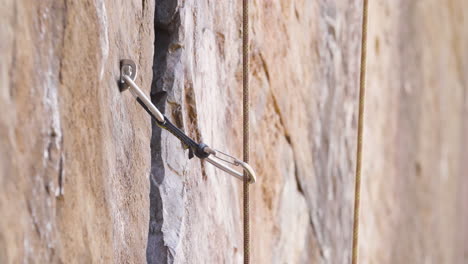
{"x": 235, "y": 162}
{"x": 128, "y": 74}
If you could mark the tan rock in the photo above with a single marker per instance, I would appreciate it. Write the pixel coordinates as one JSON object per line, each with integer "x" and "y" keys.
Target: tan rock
{"x": 74, "y": 151}
{"x": 85, "y": 178}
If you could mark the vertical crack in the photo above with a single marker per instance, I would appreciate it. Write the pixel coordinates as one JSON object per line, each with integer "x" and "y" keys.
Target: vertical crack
{"x": 166, "y": 26}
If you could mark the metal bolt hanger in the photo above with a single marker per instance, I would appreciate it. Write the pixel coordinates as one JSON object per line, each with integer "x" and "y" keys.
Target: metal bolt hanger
{"x": 221, "y": 160}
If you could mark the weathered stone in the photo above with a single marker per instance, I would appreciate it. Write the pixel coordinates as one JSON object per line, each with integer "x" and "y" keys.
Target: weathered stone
{"x": 304, "y": 64}
{"x": 296, "y": 78}
{"x": 85, "y": 178}
{"x": 74, "y": 156}
{"x": 415, "y": 159}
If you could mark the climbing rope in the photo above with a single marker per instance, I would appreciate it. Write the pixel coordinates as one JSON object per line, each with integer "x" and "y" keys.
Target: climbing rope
{"x": 245, "y": 95}
{"x": 362, "y": 88}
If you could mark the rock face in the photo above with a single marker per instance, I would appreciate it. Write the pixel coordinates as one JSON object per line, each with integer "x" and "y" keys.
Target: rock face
{"x": 415, "y": 172}
{"x": 75, "y": 153}
{"x": 301, "y": 164}
{"x": 85, "y": 177}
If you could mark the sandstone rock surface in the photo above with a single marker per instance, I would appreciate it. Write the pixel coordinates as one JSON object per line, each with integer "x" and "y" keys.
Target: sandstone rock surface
{"x": 74, "y": 152}
{"x": 85, "y": 177}
{"x": 415, "y": 173}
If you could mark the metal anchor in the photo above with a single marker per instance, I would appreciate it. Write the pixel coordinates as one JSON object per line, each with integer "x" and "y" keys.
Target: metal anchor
{"x": 128, "y": 73}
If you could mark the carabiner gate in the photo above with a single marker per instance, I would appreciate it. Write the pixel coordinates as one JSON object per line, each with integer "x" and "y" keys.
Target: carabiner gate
{"x": 235, "y": 162}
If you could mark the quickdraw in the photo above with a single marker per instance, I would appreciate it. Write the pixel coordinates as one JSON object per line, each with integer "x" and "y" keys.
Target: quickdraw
{"x": 128, "y": 73}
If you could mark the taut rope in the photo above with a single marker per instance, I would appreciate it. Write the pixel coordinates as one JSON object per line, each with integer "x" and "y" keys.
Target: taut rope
{"x": 245, "y": 95}
{"x": 362, "y": 89}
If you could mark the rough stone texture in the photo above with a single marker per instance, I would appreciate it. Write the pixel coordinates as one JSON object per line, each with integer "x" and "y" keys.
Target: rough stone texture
{"x": 84, "y": 178}
{"x": 304, "y": 59}
{"x": 74, "y": 152}
{"x": 415, "y": 174}
{"x": 304, "y": 65}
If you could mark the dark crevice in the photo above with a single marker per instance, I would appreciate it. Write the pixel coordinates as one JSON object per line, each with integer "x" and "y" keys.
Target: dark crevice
{"x": 315, "y": 234}
{"x": 191, "y": 108}
{"x": 12, "y": 68}
{"x": 300, "y": 187}
{"x": 166, "y": 25}
{"x": 265, "y": 67}
{"x": 296, "y": 175}
{"x": 287, "y": 137}
{"x": 60, "y": 176}
{"x": 281, "y": 119}
{"x": 62, "y": 44}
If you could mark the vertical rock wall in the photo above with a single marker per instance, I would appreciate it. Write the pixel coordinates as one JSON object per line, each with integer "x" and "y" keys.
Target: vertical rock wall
{"x": 415, "y": 174}
{"x": 84, "y": 177}
{"x": 304, "y": 66}
{"x": 74, "y": 152}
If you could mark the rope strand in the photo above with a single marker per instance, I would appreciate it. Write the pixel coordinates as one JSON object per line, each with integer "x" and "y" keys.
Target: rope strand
{"x": 245, "y": 93}
{"x": 362, "y": 88}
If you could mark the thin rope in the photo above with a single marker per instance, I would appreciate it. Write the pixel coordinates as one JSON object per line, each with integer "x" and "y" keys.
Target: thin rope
{"x": 362, "y": 88}
{"x": 245, "y": 95}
